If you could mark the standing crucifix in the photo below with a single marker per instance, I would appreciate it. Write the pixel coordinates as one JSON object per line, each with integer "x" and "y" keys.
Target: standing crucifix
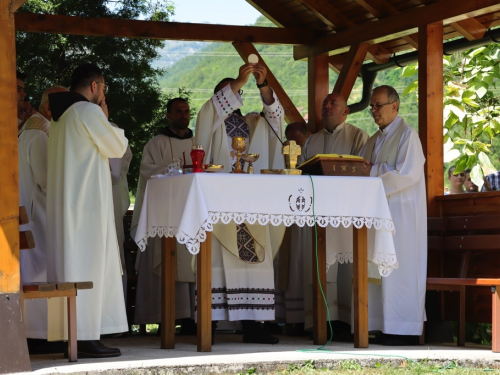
{"x": 291, "y": 150}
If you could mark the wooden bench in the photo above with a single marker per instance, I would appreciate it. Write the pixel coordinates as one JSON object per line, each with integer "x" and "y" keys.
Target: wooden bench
{"x": 52, "y": 290}
{"x": 463, "y": 237}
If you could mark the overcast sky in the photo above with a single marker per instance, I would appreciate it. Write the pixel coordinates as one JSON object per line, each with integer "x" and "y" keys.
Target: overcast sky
{"x": 227, "y": 12}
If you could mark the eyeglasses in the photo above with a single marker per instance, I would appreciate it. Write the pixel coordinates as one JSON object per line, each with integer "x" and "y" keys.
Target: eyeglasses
{"x": 377, "y": 107}
{"x": 106, "y": 87}
{"x": 19, "y": 88}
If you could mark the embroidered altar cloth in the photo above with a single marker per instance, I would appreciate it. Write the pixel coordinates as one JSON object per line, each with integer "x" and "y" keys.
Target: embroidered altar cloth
{"x": 187, "y": 206}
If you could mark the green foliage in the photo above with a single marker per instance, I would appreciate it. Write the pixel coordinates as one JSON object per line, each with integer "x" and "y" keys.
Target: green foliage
{"x": 471, "y": 108}
{"x": 135, "y": 100}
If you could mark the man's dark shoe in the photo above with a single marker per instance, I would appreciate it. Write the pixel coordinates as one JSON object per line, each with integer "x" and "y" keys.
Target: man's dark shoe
{"x": 255, "y": 333}
{"x": 399, "y": 340}
{"x": 96, "y": 349}
{"x": 40, "y": 346}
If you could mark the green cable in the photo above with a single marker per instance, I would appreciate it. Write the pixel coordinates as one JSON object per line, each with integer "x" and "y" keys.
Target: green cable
{"x": 322, "y": 348}
{"x": 317, "y": 267}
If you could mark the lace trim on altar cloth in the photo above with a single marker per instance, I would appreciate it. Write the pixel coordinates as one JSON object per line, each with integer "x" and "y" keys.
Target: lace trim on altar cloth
{"x": 386, "y": 262}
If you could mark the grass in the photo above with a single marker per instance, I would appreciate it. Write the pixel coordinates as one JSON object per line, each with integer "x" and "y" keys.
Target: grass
{"x": 405, "y": 367}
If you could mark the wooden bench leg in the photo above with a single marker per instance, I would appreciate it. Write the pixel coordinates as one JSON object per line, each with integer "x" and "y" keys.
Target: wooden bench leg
{"x": 319, "y": 308}
{"x": 168, "y": 293}
{"x": 461, "y": 318}
{"x": 72, "y": 343}
{"x": 495, "y": 319}
{"x": 360, "y": 281}
{"x": 204, "y": 279}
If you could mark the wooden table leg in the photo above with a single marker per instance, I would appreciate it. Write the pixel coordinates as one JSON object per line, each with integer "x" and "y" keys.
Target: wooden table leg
{"x": 204, "y": 294}
{"x": 72, "y": 341}
{"x": 495, "y": 319}
{"x": 360, "y": 280}
{"x": 319, "y": 308}
{"x": 168, "y": 247}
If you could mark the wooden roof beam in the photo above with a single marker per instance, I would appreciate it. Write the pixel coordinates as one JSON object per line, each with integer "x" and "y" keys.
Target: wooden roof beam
{"x": 328, "y": 14}
{"x": 336, "y": 63}
{"x": 16, "y": 4}
{"x": 396, "y": 26}
{"x": 120, "y": 28}
{"x": 274, "y": 12}
{"x": 470, "y": 28}
{"x": 291, "y": 113}
{"x": 333, "y": 18}
{"x": 381, "y": 9}
{"x": 350, "y": 71}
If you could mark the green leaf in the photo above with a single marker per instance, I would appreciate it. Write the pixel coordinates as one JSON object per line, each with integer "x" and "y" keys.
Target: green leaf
{"x": 451, "y": 155}
{"x": 476, "y": 52}
{"x": 485, "y": 160}
{"x": 461, "y": 164}
{"x": 410, "y": 88}
{"x": 410, "y": 70}
{"x": 477, "y": 175}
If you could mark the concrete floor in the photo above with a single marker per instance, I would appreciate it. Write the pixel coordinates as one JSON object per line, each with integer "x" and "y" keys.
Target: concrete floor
{"x": 142, "y": 355}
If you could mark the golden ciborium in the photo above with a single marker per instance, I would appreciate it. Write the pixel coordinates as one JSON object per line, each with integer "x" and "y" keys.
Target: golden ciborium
{"x": 239, "y": 145}
{"x": 250, "y": 158}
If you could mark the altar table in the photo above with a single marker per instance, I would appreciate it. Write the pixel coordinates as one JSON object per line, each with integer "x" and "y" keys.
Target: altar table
{"x": 187, "y": 206}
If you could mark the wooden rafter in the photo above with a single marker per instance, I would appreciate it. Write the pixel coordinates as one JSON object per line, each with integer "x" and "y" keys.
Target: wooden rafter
{"x": 159, "y": 30}
{"x": 336, "y": 62}
{"x": 352, "y": 66}
{"x": 291, "y": 113}
{"x": 381, "y": 9}
{"x": 336, "y": 20}
{"x": 274, "y": 12}
{"x": 16, "y": 4}
{"x": 317, "y": 89}
{"x": 396, "y": 26}
{"x": 470, "y": 28}
{"x": 328, "y": 14}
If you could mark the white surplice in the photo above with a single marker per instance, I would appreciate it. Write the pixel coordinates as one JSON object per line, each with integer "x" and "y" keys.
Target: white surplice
{"x": 82, "y": 241}
{"x": 345, "y": 139}
{"x": 32, "y": 145}
{"x": 157, "y": 155}
{"x": 398, "y": 305}
{"x": 121, "y": 202}
{"x": 240, "y": 290}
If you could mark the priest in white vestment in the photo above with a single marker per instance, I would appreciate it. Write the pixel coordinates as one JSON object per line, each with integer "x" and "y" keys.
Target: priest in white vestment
{"x": 242, "y": 255}
{"x": 394, "y": 154}
{"x": 337, "y": 137}
{"x": 121, "y": 202}
{"x": 32, "y": 146}
{"x": 82, "y": 241}
{"x": 174, "y": 142}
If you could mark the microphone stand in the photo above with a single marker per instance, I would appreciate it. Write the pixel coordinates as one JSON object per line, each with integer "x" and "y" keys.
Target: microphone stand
{"x": 276, "y": 134}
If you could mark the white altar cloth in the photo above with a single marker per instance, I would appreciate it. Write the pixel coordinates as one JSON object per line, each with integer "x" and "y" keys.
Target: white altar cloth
{"x": 186, "y": 206}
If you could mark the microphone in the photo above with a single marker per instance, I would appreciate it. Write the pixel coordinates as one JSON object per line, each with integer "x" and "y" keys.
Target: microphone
{"x": 276, "y": 134}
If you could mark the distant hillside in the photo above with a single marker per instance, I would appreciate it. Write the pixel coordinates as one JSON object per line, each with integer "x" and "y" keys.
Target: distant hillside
{"x": 203, "y": 69}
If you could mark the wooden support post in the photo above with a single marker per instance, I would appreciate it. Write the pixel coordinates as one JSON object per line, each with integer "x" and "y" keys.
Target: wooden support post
{"x": 319, "y": 266}
{"x": 495, "y": 319}
{"x": 291, "y": 113}
{"x": 360, "y": 280}
{"x": 350, "y": 71}
{"x": 461, "y": 317}
{"x": 13, "y": 349}
{"x": 72, "y": 338}
{"x": 168, "y": 293}
{"x": 430, "y": 110}
{"x": 317, "y": 88}
{"x": 204, "y": 295}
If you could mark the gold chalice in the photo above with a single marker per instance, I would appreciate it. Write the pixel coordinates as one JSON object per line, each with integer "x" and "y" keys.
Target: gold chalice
{"x": 239, "y": 145}
{"x": 250, "y": 158}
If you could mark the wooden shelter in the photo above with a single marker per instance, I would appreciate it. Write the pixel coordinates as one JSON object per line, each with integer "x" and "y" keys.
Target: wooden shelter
{"x": 331, "y": 34}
